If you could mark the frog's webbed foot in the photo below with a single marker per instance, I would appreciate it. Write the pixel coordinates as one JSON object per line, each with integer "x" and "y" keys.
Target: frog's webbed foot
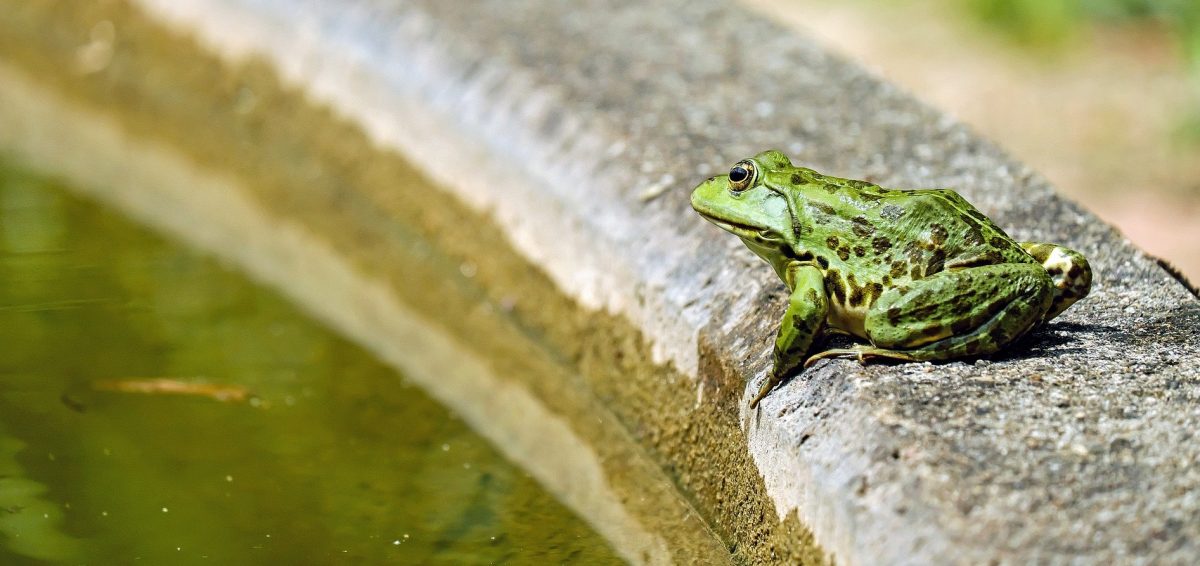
{"x": 1068, "y": 270}
{"x": 863, "y": 353}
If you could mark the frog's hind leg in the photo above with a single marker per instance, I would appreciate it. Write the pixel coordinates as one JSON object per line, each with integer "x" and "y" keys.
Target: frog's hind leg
{"x": 955, "y": 313}
{"x": 1068, "y": 269}
{"x": 977, "y": 343}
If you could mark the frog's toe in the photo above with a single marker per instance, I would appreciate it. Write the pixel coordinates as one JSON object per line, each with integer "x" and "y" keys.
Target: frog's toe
{"x": 832, "y": 353}
{"x": 766, "y": 388}
{"x": 863, "y": 354}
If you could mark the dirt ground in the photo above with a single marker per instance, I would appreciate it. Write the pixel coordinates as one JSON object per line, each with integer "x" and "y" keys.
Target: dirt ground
{"x": 1100, "y": 116}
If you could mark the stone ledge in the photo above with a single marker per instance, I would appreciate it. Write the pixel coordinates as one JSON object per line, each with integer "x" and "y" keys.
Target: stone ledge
{"x": 583, "y": 144}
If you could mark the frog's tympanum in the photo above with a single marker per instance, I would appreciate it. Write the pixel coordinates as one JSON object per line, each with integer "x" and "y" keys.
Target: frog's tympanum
{"x": 920, "y": 274}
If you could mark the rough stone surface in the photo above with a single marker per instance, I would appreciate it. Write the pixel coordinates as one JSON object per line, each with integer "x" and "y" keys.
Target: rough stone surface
{"x": 1075, "y": 446}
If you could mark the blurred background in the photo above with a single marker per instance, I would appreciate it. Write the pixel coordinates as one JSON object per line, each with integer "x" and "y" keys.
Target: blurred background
{"x": 1100, "y": 96}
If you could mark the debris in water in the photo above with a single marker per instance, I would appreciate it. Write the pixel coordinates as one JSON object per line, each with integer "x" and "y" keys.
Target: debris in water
{"x": 170, "y": 386}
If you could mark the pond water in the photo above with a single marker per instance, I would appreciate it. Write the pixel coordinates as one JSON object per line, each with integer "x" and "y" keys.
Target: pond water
{"x": 158, "y": 407}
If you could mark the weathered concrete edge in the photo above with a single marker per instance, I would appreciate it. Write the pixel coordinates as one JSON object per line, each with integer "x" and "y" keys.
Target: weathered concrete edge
{"x": 557, "y": 229}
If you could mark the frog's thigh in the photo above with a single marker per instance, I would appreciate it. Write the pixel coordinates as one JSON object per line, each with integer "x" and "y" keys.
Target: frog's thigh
{"x": 993, "y": 304}
{"x": 1069, "y": 271}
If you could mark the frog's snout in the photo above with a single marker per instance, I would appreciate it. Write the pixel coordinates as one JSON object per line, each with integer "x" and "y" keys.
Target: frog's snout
{"x": 707, "y": 193}
{"x": 696, "y": 197}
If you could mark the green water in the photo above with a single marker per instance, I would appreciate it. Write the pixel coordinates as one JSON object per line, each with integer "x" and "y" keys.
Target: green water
{"x": 334, "y": 459}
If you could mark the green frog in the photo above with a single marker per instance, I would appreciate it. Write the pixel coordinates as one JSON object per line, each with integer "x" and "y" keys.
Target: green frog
{"x": 919, "y": 274}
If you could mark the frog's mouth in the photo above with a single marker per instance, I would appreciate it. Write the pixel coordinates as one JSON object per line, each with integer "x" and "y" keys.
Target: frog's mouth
{"x": 740, "y": 230}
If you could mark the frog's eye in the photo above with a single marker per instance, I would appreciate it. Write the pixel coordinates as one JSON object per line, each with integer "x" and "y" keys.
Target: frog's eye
{"x": 742, "y": 175}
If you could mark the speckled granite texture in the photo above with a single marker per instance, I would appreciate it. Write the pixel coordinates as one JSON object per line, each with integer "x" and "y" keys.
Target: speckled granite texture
{"x": 582, "y": 126}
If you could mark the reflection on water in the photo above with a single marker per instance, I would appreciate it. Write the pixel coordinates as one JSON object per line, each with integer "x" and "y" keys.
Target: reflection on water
{"x": 114, "y": 448}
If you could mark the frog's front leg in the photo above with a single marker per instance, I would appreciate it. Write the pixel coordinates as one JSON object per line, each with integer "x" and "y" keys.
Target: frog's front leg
{"x": 805, "y": 315}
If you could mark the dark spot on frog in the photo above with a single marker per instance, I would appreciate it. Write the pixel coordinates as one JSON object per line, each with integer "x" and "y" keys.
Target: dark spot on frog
{"x": 812, "y": 296}
{"x": 834, "y": 286}
{"x": 893, "y": 315}
{"x": 972, "y": 347}
{"x": 978, "y": 216}
{"x": 856, "y": 292}
{"x": 844, "y": 253}
{"x": 995, "y": 307}
{"x": 881, "y": 244}
{"x": 1075, "y": 271}
{"x": 832, "y": 242}
{"x": 797, "y": 179}
{"x": 915, "y": 272}
{"x": 891, "y": 211}
{"x": 887, "y": 280}
{"x": 973, "y": 237}
{"x": 870, "y": 197}
{"x": 1054, "y": 271}
{"x": 860, "y": 251}
{"x": 959, "y": 305}
{"x": 832, "y": 188}
{"x": 924, "y": 313}
{"x": 937, "y": 234}
{"x": 898, "y": 268}
{"x": 874, "y": 291}
{"x": 936, "y": 262}
{"x": 862, "y": 227}
{"x": 821, "y": 261}
{"x": 932, "y": 330}
{"x": 914, "y": 253}
{"x": 824, "y": 208}
{"x": 998, "y": 242}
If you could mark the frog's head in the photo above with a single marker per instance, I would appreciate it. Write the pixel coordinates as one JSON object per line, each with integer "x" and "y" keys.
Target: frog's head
{"x": 744, "y": 204}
